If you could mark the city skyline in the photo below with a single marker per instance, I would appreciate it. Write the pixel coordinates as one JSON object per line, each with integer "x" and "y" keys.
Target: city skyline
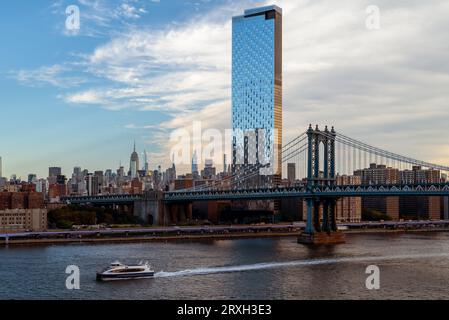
{"x": 379, "y": 84}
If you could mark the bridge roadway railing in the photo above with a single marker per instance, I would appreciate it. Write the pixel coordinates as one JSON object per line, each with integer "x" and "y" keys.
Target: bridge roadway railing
{"x": 318, "y": 191}
{"x": 104, "y": 199}
{"x": 439, "y": 189}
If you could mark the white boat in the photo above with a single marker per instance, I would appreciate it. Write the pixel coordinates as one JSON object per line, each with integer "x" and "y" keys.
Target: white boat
{"x": 119, "y": 271}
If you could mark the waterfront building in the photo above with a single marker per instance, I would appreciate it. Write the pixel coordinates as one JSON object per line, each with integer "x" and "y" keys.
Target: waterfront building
{"x": 401, "y": 207}
{"x": 421, "y": 207}
{"x": 348, "y": 209}
{"x": 378, "y": 174}
{"x": 383, "y": 175}
{"x": 257, "y": 89}
{"x": 22, "y": 211}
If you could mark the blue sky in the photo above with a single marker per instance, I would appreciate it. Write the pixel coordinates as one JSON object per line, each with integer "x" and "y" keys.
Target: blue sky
{"x": 139, "y": 69}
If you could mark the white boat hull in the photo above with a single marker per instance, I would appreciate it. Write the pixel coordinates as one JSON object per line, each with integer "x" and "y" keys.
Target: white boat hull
{"x": 117, "y": 277}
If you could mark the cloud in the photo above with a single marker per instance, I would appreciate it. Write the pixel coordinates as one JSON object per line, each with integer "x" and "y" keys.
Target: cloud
{"x": 178, "y": 70}
{"x": 54, "y": 75}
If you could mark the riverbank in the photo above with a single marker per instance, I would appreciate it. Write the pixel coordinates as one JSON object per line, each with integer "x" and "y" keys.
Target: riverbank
{"x": 202, "y": 233}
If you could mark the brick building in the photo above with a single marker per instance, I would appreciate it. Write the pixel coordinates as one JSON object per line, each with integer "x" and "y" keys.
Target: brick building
{"x": 401, "y": 207}
{"x": 22, "y": 211}
{"x": 348, "y": 209}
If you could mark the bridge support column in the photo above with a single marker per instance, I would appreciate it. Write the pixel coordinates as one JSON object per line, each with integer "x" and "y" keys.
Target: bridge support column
{"x": 326, "y": 224}
{"x": 316, "y": 216}
{"x": 333, "y": 217}
{"x": 310, "y": 228}
{"x": 326, "y": 233}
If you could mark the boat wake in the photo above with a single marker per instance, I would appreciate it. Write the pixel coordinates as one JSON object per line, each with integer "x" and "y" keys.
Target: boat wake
{"x": 289, "y": 264}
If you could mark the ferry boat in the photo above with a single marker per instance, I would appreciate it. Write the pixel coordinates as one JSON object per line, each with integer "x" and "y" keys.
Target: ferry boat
{"x": 119, "y": 271}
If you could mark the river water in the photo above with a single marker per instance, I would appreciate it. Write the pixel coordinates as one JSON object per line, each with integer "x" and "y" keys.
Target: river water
{"x": 412, "y": 266}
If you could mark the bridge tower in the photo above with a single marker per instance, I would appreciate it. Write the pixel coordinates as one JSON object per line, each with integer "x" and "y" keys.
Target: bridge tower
{"x": 321, "y": 145}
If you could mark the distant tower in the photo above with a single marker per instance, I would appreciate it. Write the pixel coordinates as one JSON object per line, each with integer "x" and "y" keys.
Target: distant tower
{"x": 195, "y": 163}
{"x": 134, "y": 163}
{"x": 147, "y": 165}
{"x": 225, "y": 163}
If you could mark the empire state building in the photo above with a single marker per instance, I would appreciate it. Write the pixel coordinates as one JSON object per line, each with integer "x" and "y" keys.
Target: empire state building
{"x": 134, "y": 163}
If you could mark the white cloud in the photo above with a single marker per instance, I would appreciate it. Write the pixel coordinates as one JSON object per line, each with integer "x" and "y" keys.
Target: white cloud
{"x": 53, "y": 75}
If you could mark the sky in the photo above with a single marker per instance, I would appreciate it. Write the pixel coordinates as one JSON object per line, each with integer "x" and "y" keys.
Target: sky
{"x": 137, "y": 70}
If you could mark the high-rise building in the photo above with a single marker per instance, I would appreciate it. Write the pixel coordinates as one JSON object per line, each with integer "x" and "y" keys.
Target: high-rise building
{"x": 134, "y": 163}
{"x": 348, "y": 209}
{"x": 406, "y": 207}
{"x": 257, "y": 89}
{"x": 53, "y": 173}
{"x": 378, "y": 174}
{"x": 92, "y": 185}
{"x": 209, "y": 170}
{"x": 195, "y": 163}
{"x": 291, "y": 172}
{"x": 147, "y": 164}
{"x": 32, "y": 178}
{"x": 375, "y": 175}
{"x": 225, "y": 161}
{"x": 421, "y": 207}
{"x": 77, "y": 175}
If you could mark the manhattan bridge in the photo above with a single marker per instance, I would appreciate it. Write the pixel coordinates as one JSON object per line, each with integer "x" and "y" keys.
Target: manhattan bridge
{"x": 320, "y": 156}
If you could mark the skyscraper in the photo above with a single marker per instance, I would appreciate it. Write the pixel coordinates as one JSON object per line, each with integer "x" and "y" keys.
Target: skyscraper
{"x": 291, "y": 172}
{"x": 195, "y": 163}
{"x": 54, "y": 171}
{"x": 225, "y": 161}
{"x": 134, "y": 163}
{"x": 146, "y": 164}
{"x": 257, "y": 88}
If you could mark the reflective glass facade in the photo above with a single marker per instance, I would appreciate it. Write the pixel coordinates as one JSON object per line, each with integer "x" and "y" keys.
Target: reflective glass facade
{"x": 257, "y": 87}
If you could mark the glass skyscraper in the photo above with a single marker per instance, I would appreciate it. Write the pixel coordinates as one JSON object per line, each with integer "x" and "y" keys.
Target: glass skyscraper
{"x": 257, "y": 89}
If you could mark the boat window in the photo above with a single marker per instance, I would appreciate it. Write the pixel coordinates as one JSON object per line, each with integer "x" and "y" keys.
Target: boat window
{"x": 128, "y": 270}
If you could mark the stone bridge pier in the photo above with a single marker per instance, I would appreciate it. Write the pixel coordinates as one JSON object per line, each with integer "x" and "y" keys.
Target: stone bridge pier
{"x": 152, "y": 210}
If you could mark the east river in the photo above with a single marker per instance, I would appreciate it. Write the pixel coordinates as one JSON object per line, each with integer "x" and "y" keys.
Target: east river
{"x": 412, "y": 266}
